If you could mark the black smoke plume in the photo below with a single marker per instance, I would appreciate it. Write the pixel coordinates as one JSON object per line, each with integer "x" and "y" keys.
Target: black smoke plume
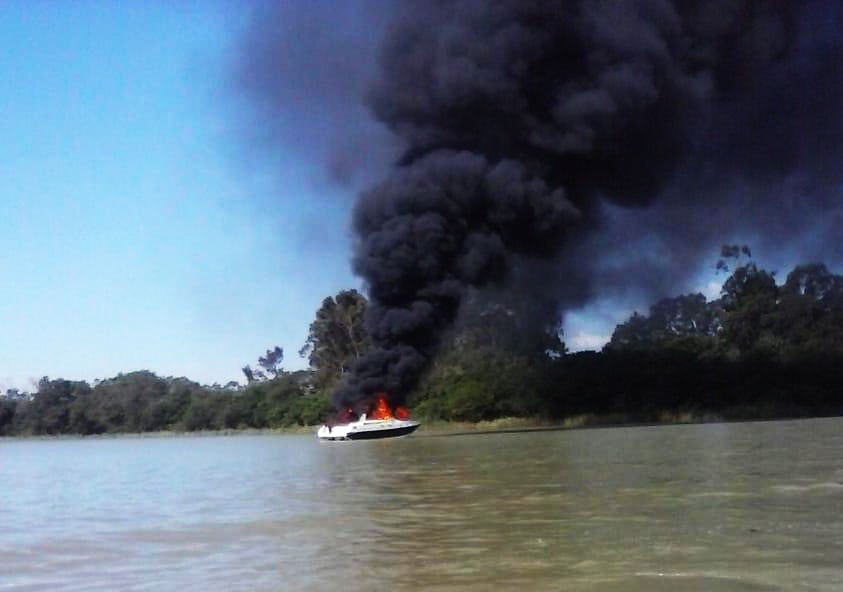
{"x": 591, "y": 134}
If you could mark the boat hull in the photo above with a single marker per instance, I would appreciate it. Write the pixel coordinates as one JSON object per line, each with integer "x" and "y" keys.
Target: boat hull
{"x": 378, "y": 434}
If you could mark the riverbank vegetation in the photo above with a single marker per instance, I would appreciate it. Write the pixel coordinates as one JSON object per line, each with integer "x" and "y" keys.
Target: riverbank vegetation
{"x": 760, "y": 350}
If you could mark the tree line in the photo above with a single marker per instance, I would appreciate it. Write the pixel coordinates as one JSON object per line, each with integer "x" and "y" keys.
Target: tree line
{"x": 144, "y": 402}
{"x": 759, "y": 350}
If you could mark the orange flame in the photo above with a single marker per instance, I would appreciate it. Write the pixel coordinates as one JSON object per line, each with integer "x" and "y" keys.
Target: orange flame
{"x": 382, "y": 410}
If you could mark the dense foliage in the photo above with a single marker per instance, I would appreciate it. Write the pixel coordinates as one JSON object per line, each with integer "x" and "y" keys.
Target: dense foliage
{"x": 144, "y": 402}
{"x": 760, "y": 350}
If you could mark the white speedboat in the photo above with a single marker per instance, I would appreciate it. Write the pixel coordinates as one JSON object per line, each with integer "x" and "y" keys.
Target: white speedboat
{"x": 368, "y": 429}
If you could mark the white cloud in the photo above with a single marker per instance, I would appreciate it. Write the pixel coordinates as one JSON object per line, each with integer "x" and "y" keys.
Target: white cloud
{"x": 582, "y": 341}
{"x": 712, "y": 290}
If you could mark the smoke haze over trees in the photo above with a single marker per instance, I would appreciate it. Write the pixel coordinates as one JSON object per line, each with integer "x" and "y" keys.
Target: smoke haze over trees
{"x": 613, "y": 142}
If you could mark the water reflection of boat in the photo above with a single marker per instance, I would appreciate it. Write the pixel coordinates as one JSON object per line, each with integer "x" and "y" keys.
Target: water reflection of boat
{"x": 368, "y": 429}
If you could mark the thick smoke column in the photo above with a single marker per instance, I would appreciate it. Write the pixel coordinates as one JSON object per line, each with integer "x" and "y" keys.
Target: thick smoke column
{"x": 517, "y": 117}
{"x": 578, "y": 134}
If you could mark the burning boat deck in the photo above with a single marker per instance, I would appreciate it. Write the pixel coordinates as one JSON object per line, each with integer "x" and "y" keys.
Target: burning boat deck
{"x": 382, "y": 422}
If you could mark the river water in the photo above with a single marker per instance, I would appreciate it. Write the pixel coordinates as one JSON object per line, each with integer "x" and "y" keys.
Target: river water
{"x": 752, "y": 506}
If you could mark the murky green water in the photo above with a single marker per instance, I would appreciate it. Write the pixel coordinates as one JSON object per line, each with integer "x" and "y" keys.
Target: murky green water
{"x": 717, "y": 507}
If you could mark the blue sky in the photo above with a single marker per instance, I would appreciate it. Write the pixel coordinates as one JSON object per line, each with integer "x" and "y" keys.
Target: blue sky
{"x": 133, "y": 236}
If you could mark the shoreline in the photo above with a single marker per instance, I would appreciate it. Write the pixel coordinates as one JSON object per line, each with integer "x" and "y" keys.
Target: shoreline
{"x": 168, "y": 434}
{"x": 437, "y": 428}
{"x": 477, "y": 430}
